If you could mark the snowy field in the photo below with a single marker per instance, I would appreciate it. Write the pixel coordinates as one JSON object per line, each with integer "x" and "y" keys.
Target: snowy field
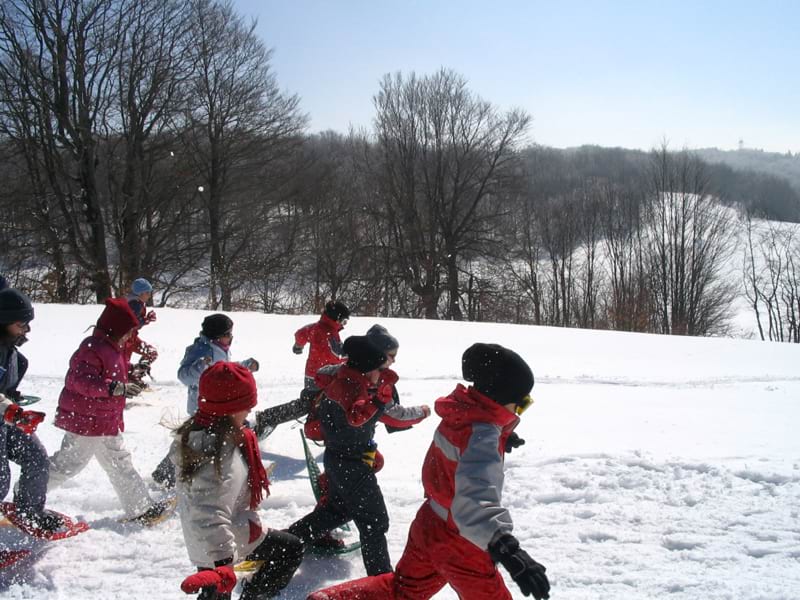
{"x": 655, "y": 467}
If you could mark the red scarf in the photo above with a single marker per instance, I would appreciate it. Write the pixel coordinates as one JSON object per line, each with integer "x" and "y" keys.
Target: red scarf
{"x": 257, "y": 474}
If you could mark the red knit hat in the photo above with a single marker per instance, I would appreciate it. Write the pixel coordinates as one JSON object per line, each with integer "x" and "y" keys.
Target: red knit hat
{"x": 226, "y": 388}
{"x": 117, "y": 318}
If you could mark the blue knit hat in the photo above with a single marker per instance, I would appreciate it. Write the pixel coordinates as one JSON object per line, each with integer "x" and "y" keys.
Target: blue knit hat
{"x": 140, "y": 286}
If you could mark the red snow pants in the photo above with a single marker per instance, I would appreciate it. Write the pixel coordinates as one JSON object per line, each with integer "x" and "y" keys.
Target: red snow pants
{"x": 435, "y": 555}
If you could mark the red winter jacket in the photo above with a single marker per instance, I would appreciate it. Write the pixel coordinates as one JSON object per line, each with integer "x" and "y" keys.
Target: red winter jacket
{"x": 463, "y": 470}
{"x": 86, "y": 406}
{"x": 326, "y": 347}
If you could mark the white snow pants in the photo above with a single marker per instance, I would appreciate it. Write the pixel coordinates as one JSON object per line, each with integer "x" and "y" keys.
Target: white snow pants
{"x": 76, "y": 452}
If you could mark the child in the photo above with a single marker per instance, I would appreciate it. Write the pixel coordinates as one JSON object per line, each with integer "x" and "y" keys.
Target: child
{"x": 462, "y": 529}
{"x": 395, "y": 417}
{"x": 90, "y": 410}
{"x": 211, "y": 346}
{"x": 17, "y": 439}
{"x": 326, "y": 346}
{"x": 221, "y": 483}
{"x": 351, "y": 406}
{"x": 141, "y": 292}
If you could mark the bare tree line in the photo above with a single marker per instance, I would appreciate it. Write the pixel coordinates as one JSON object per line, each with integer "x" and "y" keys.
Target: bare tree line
{"x": 151, "y": 138}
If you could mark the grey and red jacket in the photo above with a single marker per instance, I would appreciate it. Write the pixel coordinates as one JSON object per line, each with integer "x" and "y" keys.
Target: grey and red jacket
{"x": 463, "y": 470}
{"x": 326, "y": 346}
{"x": 86, "y": 406}
{"x": 352, "y": 406}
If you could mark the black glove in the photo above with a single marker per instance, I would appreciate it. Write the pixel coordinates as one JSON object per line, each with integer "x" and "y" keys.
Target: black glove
{"x": 513, "y": 441}
{"x": 129, "y": 390}
{"x": 297, "y": 349}
{"x": 526, "y": 572}
{"x": 139, "y": 370}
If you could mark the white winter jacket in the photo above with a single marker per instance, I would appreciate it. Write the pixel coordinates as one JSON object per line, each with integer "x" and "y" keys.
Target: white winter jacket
{"x": 215, "y": 512}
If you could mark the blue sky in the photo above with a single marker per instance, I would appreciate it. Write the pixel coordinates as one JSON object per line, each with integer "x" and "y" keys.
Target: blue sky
{"x": 614, "y": 73}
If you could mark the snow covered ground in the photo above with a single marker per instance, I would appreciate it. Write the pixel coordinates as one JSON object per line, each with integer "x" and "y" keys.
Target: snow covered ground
{"x": 655, "y": 467}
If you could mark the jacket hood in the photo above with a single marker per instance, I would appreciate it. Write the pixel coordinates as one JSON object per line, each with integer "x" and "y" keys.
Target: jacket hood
{"x": 200, "y": 441}
{"x": 467, "y": 405}
{"x": 326, "y": 375}
{"x": 326, "y": 321}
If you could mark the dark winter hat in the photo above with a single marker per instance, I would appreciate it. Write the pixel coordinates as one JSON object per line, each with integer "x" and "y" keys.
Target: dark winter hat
{"x": 226, "y": 388}
{"x": 382, "y": 339}
{"x": 337, "y": 311}
{"x": 216, "y": 325}
{"x": 361, "y": 354}
{"x": 117, "y": 318}
{"x": 140, "y": 286}
{"x": 499, "y": 373}
{"x": 15, "y": 306}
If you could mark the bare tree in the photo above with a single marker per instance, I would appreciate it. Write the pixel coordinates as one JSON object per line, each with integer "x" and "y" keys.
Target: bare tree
{"x": 143, "y": 211}
{"x": 237, "y": 123}
{"x": 772, "y": 278}
{"x": 689, "y": 245}
{"x": 444, "y": 153}
{"x": 57, "y": 62}
{"x": 629, "y": 303}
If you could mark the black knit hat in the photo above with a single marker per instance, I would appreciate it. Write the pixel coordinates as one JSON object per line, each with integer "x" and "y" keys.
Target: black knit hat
{"x": 499, "y": 373}
{"x": 380, "y": 337}
{"x": 14, "y": 306}
{"x": 362, "y": 354}
{"x": 337, "y": 311}
{"x": 216, "y": 325}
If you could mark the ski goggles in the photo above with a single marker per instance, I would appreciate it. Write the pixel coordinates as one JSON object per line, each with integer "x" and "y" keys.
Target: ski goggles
{"x": 523, "y": 405}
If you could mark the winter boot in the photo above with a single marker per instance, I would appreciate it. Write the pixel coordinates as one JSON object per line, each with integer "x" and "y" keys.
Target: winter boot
{"x": 155, "y": 514}
{"x": 327, "y": 541}
{"x": 44, "y": 521}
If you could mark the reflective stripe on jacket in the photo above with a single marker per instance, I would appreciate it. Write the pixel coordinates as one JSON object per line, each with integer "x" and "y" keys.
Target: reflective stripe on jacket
{"x": 463, "y": 470}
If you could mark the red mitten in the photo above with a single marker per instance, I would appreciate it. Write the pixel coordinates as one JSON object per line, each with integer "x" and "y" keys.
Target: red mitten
{"x": 25, "y": 420}
{"x": 378, "y": 464}
{"x": 150, "y": 317}
{"x": 223, "y": 578}
{"x": 384, "y": 393}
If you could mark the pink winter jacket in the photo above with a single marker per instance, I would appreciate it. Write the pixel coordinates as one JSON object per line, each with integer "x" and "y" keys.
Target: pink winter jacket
{"x": 86, "y": 406}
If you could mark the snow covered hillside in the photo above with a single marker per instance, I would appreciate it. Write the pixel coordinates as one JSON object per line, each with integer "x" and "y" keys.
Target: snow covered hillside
{"x": 655, "y": 467}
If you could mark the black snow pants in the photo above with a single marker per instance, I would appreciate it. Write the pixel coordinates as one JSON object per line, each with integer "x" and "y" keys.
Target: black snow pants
{"x": 354, "y": 494}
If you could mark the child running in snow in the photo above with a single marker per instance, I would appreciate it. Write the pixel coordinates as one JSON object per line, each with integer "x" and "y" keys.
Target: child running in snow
{"x": 211, "y": 346}
{"x": 141, "y": 292}
{"x": 221, "y": 483}
{"x": 356, "y": 396}
{"x": 462, "y": 530}
{"x": 90, "y": 411}
{"x": 323, "y": 336}
{"x": 18, "y": 442}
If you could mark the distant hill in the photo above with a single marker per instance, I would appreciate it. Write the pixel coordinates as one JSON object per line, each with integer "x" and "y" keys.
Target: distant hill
{"x": 786, "y": 165}
{"x": 766, "y": 184}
